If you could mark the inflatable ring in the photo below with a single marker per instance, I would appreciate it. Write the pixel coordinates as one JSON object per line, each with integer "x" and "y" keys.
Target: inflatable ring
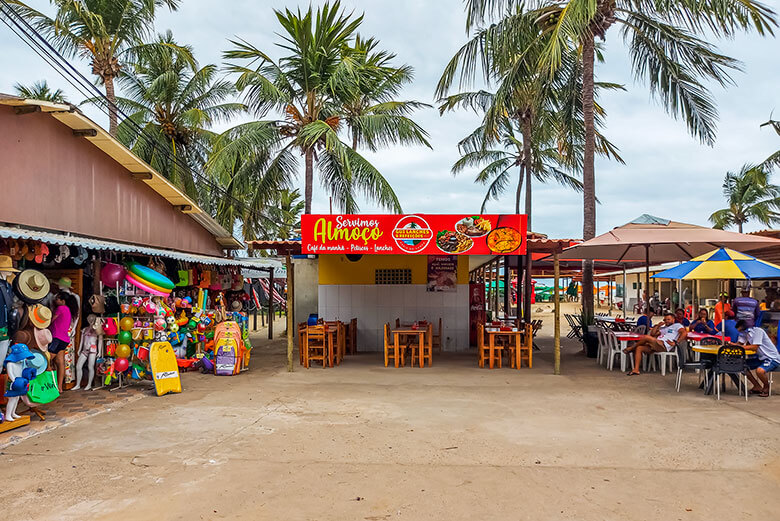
{"x": 146, "y": 288}
{"x": 135, "y": 280}
{"x": 150, "y": 277}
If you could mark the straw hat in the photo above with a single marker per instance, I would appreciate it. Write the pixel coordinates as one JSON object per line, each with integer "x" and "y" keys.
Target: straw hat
{"x": 40, "y": 316}
{"x": 64, "y": 283}
{"x": 7, "y": 264}
{"x": 42, "y": 338}
{"x": 31, "y": 286}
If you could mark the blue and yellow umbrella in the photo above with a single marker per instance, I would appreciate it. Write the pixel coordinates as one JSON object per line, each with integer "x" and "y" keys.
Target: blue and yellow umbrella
{"x": 722, "y": 264}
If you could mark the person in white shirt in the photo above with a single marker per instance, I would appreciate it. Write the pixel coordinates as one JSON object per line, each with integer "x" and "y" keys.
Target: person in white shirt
{"x": 663, "y": 337}
{"x": 768, "y": 359}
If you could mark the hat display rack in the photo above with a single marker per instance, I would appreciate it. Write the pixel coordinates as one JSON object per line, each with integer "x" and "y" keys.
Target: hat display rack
{"x": 137, "y": 300}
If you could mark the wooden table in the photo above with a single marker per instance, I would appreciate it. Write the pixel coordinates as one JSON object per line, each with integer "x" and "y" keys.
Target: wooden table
{"x": 493, "y": 332}
{"x": 409, "y": 331}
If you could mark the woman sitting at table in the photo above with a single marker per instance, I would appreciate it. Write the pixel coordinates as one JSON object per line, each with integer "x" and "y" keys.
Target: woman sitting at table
{"x": 703, "y": 324}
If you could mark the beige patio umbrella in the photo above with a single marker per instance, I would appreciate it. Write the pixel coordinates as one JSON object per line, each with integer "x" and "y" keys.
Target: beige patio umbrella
{"x": 655, "y": 240}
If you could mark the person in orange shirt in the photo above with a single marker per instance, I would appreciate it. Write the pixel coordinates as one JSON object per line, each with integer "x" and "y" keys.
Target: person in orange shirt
{"x": 721, "y": 308}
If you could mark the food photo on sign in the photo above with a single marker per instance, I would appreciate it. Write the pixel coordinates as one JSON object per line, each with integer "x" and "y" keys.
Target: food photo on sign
{"x": 442, "y": 273}
{"x": 417, "y": 234}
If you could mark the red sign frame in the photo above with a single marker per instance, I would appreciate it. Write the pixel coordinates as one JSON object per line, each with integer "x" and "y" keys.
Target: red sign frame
{"x": 414, "y": 234}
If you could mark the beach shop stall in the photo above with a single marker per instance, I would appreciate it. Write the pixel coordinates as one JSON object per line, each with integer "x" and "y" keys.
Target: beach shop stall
{"x": 404, "y": 269}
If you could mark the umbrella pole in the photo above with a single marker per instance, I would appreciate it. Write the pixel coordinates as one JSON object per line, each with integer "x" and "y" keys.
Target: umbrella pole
{"x": 625, "y": 289}
{"x": 647, "y": 277}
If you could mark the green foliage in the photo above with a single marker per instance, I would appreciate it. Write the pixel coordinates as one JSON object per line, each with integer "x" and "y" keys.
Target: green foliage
{"x": 325, "y": 65}
{"x": 40, "y": 90}
{"x": 750, "y": 195}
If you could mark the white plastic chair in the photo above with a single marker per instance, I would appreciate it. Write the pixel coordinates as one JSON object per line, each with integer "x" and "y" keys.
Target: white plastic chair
{"x": 615, "y": 349}
{"x": 663, "y": 357}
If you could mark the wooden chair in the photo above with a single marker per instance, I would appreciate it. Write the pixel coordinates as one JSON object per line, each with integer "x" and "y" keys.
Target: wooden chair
{"x": 437, "y": 338}
{"x": 316, "y": 346}
{"x": 352, "y": 337}
{"x": 301, "y": 339}
{"x": 537, "y": 326}
{"x": 526, "y": 350}
{"x": 425, "y": 350}
{"x": 391, "y": 348}
{"x": 482, "y": 346}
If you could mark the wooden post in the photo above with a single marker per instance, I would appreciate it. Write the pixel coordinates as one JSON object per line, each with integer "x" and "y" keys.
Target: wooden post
{"x": 290, "y": 313}
{"x": 557, "y": 344}
{"x": 507, "y": 287}
{"x": 270, "y": 304}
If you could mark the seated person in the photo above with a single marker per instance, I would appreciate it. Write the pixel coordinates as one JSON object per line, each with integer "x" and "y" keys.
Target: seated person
{"x": 679, "y": 317}
{"x": 663, "y": 337}
{"x": 703, "y": 324}
{"x": 646, "y": 319}
{"x": 768, "y": 357}
{"x": 730, "y": 326}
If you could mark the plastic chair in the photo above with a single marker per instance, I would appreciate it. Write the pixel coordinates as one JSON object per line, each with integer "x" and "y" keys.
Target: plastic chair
{"x": 613, "y": 346}
{"x": 731, "y": 360}
{"x": 683, "y": 363}
{"x": 603, "y": 346}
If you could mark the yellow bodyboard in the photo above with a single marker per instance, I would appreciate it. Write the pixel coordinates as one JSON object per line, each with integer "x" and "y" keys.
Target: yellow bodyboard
{"x": 165, "y": 370}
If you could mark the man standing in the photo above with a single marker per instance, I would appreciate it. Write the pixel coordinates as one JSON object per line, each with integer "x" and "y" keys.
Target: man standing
{"x": 768, "y": 357}
{"x": 746, "y": 308}
{"x": 721, "y": 308}
{"x": 663, "y": 337}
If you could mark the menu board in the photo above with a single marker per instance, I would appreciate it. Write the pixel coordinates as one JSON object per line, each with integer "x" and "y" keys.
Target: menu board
{"x": 442, "y": 273}
{"x": 418, "y": 234}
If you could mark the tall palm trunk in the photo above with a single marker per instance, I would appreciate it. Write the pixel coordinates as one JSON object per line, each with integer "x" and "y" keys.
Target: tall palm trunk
{"x": 108, "y": 81}
{"x": 588, "y": 172}
{"x": 520, "y": 180}
{"x": 528, "y": 164}
{"x": 309, "y": 154}
{"x": 354, "y": 140}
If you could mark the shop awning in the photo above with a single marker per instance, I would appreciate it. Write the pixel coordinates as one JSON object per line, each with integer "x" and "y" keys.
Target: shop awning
{"x": 54, "y": 238}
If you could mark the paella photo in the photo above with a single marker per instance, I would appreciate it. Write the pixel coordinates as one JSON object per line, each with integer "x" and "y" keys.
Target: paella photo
{"x": 504, "y": 240}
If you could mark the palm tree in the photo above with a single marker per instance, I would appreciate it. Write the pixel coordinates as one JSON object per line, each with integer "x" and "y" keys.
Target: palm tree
{"x": 287, "y": 213}
{"x": 773, "y": 160}
{"x": 109, "y": 33}
{"x": 303, "y": 86}
{"x": 750, "y": 195}
{"x": 40, "y": 90}
{"x": 372, "y": 114}
{"x": 545, "y": 111}
{"x": 171, "y": 105}
{"x": 665, "y": 52}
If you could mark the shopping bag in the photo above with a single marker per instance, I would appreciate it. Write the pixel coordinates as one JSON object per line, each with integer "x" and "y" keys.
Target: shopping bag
{"x": 43, "y": 388}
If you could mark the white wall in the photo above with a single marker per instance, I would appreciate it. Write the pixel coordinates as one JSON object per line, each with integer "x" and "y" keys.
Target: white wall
{"x": 374, "y": 305}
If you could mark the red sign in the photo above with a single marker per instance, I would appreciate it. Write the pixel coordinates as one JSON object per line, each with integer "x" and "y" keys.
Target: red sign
{"x": 418, "y": 234}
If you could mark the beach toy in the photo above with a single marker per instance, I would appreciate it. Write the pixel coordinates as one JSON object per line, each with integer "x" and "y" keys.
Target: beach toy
{"x": 125, "y": 337}
{"x": 123, "y": 351}
{"x": 111, "y": 274}
{"x": 149, "y": 280}
{"x": 125, "y": 309}
{"x": 126, "y": 324}
{"x": 110, "y": 327}
{"x": 143, "y": 352}
{"x": 165, "y": 370}
{"x": 121, "y": 365}
{"x": 173, "y": 328}
{"x": 159, "y": 324}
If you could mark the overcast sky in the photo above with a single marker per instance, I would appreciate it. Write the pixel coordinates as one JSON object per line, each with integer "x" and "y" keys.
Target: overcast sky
{"x": 667, "y": 173}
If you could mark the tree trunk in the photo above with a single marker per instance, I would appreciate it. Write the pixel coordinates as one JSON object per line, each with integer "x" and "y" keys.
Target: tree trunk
{"x": 309, "y": 154}
{"x": 519, "y": 188}
{"x": 111, "y": 95}
{"x": 527, "y": 160}
{"x": 740, "y": 226}
{"x": 588, "y": 172}
{"x": 354, "y": 139}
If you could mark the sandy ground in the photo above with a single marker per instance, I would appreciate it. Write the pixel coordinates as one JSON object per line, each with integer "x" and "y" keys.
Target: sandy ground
{"x": 451, "y": 442}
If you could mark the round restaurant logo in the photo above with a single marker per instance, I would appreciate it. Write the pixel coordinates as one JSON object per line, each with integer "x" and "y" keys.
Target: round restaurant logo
{"x": 412, "y": 234}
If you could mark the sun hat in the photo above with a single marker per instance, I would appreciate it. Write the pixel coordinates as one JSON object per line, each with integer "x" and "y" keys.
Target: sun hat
{"x": 236, "y": 305}
{"x": 24, "y": 336}
{"x": 39, "y": 362}
{"x": 31, "y": 286}
{"x": 42, "y": 338}
{"x": 40, "y": 316}
{"x": 17, "y": 353}
{"x": 65, "y": 282}
{"x": 7, "y": 264}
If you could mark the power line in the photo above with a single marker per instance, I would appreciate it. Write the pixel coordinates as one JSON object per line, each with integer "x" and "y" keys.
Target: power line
{"x": 33, "y": 39}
